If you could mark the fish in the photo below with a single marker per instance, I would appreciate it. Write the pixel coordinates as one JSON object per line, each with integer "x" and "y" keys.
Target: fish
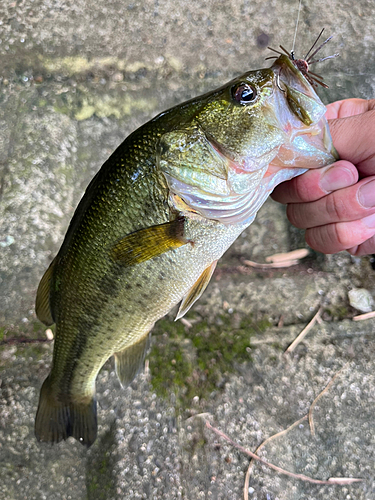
{"x": 155, "y": 220}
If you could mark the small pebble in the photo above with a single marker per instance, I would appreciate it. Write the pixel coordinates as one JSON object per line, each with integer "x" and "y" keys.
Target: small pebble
{"x": 361, "y": 299}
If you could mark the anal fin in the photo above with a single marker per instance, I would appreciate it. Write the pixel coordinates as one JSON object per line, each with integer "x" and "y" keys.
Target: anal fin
{"x": 196, "y": 290}
{"x": 42, "y": 303}
{"x": 128, "y": 362}
{"x": 150, "y": 242}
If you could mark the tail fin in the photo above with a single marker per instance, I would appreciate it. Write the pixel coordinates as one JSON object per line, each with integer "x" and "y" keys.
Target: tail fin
{"x": 57, "y": 420}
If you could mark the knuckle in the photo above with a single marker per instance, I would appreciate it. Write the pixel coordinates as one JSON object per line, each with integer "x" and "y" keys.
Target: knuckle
{"x": 303, "y": 190}
{"x": 336, "y": 208}
{"x": 313, "y": 239}
{"x": 330, "y": 238}
{"x": 341, "y": 236}
{"x": 303, "y": 187}
{"x": 293, "y": 212}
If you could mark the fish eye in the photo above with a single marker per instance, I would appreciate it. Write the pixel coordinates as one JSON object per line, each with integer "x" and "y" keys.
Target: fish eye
{"x": 244, "y": 93}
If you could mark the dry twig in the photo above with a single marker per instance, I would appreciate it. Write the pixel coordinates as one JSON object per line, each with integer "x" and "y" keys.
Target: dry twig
{"x": 285, "y": 431}
{"x": 24, "y": 341}
{"x": 186, "y": 322}
{"x": 49, "y": 334}
{"x": 279, "y": 260}
{"x": 299, "y": 254}
{"x": 361, "y": 317}
{"x": 331, "y": 480}
{"x": 271, "y": 438}
{"x": 271, "y": 265}
{"x": 305, "y": 331}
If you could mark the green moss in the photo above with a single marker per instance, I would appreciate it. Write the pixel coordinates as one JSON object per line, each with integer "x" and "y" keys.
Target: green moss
{"x": 34, "y": 351}
{"x": 197, "y": 361}
{"x": 338, "y": 313}
{"x": 86, "y": 111}
{"x": 277, "y": 346}
{"x": 67, "y": 65}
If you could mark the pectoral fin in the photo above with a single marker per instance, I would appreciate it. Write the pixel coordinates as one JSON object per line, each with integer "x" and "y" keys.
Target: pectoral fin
{"x": 128, "y": 362}
{"x": 147, "y": 243}
{"x": 42, "y": 303}
{"x": 196, "y": 291}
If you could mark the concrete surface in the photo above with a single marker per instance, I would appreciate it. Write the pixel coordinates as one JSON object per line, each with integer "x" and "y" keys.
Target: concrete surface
{"x": 76, "y": 78}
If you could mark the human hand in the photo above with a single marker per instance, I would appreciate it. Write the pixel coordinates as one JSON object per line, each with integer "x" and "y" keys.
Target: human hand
{"x": 331, "y": 203}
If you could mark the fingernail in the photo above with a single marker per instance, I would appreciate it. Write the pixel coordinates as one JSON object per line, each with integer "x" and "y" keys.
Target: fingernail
{"x": 369, "y": 221}
{"x": 366, "y": 194}
{"x": 336, "y": 178}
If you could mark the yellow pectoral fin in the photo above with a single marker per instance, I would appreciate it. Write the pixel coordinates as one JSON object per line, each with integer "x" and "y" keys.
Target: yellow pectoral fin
{"x": 42, "y": 303}
{"x": 147, "y": 243}
{"x": 196, "y": 291}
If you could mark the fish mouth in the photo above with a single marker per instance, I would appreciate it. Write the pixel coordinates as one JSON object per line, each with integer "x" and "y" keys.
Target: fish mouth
{"x": 300, "y": 114}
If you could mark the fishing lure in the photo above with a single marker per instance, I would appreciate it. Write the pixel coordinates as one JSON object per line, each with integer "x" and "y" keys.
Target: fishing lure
{"x": 304, "y": 64}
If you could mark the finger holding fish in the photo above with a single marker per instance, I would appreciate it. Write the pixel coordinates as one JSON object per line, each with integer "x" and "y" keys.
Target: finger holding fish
{"x": 343, "y": 205}
{"x": 341, "y": 220}
{"x": 339, "y": 236}
{"x": 336, "y": 208}
{"x": 316, "y": 184}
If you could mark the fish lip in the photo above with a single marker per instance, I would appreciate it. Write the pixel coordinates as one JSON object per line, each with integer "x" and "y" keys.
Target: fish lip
{"x": 291, "y": 82}
{"x": 300, "y": 116}
{"x": 284, "y": 63}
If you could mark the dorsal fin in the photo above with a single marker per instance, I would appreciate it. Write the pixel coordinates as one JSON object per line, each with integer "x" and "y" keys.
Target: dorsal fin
{"x": 128, "y": 362}
{"x": 196, "y": 290}
{"x": 42, "y": 303}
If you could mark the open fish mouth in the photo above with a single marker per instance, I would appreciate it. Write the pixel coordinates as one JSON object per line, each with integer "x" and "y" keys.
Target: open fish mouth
{"x": 300, "y": 114}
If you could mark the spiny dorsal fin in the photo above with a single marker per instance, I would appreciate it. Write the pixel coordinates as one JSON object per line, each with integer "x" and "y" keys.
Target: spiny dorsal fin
{"x": 196, "y": 290}
{"x": 147, "y": 243}
{"x": 128, "y": 362}
{"x": 42, "y": 303}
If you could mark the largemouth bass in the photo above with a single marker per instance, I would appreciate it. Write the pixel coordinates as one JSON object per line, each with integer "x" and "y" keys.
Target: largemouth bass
{"x": 155, "y": 220}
